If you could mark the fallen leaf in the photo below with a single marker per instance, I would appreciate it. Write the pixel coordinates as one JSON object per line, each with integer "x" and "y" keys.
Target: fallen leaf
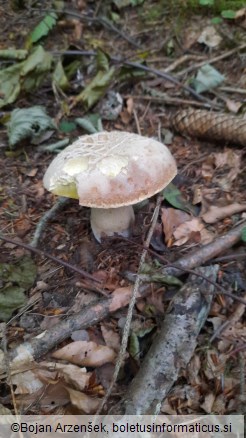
{"x": 16, "y": 279}
{"x": 171, "y": 219}
{"x": 120, "y": 298}
{"x": 26, "y": 382}
{"x": 176, "y": 199}
{"x": 54, "y": 396}
{"x": 207, "y": 78}
{"x": 72, "y": 374}
{"x": 193, "y": 231}
{"x": 207, "y": 405}
{"x": 233, "y": 106}
{"x": 111, "y": 337}
{"x": 83, "y": 402}
{"x": 210, "y": 37}
{"x": 215, "y": 214}
{"x": 86, "y": 353}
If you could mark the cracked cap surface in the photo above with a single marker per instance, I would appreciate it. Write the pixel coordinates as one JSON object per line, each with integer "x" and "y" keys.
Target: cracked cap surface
{"x": 111, "y": 169}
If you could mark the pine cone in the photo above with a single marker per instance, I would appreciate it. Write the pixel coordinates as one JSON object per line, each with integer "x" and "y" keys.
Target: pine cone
{"x": 211, "y": 126}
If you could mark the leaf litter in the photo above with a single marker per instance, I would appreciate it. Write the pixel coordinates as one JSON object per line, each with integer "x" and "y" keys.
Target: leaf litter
{"x": 57, "y": 383}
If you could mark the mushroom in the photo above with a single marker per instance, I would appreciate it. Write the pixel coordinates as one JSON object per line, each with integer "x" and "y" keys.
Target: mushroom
{"x": 109, "y": 172}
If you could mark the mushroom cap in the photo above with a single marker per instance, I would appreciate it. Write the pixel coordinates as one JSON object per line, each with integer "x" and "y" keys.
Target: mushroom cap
{"x": 111, "y": 169}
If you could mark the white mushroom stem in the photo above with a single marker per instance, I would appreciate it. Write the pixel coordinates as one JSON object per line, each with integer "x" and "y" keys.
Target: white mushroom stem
{"x": 110, "y": 221}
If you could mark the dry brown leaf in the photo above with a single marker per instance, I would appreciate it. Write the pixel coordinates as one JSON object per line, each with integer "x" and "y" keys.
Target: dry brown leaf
{"x": 48, "y": 398}
{"x": 130, "y": 105}
{"x": 207, "y": 405}
{"x": 83, "y": 402}
{"x": 236, "y": 332}
{"x": 32, "y": 172}
{"x": 231, "y": 161}
{"x": 233, "y": 106}
{"x": 171, "y": 219}
{"x": 22, "y": 225}
{"x": 26, "y": 382}
{"x": 85, "y": 353}
{"x": 207, "y": 169}
{"x": 192, "y": 231}
{"x": 210, "y": 37}
{"x": 193, "y": 370}
{"x": 219, "y": 405}
{"x": 241, "y": 13}
{"x": 120, "y": 298}
{"x": 104, "y": 374}
{"x": 72, "y": 374}
{"x": 197, "y": 194}
{"x": 215, "y": 214}
{"x": 111, "y": 337}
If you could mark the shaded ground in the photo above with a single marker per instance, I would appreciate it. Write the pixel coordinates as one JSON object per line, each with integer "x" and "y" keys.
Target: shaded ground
{"x": 210, "y": 174}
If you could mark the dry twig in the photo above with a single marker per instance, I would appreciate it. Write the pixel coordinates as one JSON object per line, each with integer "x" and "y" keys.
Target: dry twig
{"x": 49, "y": 256}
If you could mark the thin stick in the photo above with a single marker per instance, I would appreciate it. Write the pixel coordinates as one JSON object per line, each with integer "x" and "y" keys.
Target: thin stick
{"x": 61, "y": 201}
{"x": 49, "y": 256}
{"x": 83, "y": 17}
{"x": 137, "y": 122}
{"x": 153, "y": 71}
{"x": 211, "y": 61}
{"x": 132, "y": 302}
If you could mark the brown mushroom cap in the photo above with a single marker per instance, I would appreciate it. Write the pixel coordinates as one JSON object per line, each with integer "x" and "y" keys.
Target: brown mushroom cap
{"x": 111, "y": 169}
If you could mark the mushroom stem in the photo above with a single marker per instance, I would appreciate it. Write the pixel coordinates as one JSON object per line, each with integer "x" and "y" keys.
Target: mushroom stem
{"x": 110, "y": 221}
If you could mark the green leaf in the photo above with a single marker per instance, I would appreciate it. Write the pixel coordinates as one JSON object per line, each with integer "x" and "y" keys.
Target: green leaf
{"x": 229, "y": 14}
{"x": 151, "y": 274}
{"x": 11, "y": 298}
{"x": 59, "y": 77}
{"x": 43, "y": 28}
{"x": 38, "y": 61}
{"x": 124, "y": 3}
{"x": 10, "y": 84}
{"x": 216, "y": 20}
{"x": 23, "y": 272}
{"x": 243, "y": 235}
{"x": 28, "y": 123}
{"x": 97, "y": 88}
{"x": 175, "y": 198}
{"x": 207, "y": 78}
{"x": 13, "y": 54}
{"x": 134, "y": 347}
{"x": 206, "y": 2}
{"x": 91, "y": 124}
{"x": 102, "y": 60}
{"x": 54, "y": 148}
{"x": 66, "y": 126}
{"x": 26, "y": 75}
{"x": 127, "y": 73}
{"x": 16, "y": 279}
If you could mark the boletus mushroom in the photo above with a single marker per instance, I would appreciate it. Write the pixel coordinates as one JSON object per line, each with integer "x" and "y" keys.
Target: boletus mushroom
{"x": 109, "y": 172}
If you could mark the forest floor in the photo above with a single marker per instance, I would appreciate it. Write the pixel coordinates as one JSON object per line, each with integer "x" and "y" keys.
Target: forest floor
{"x": 148, "y": 57}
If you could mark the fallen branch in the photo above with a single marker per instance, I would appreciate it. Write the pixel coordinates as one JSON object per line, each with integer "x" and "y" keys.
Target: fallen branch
{"x": 206, "y": 253}
{"x": 88, "y": 316}
{"x": 172, "y": 348}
